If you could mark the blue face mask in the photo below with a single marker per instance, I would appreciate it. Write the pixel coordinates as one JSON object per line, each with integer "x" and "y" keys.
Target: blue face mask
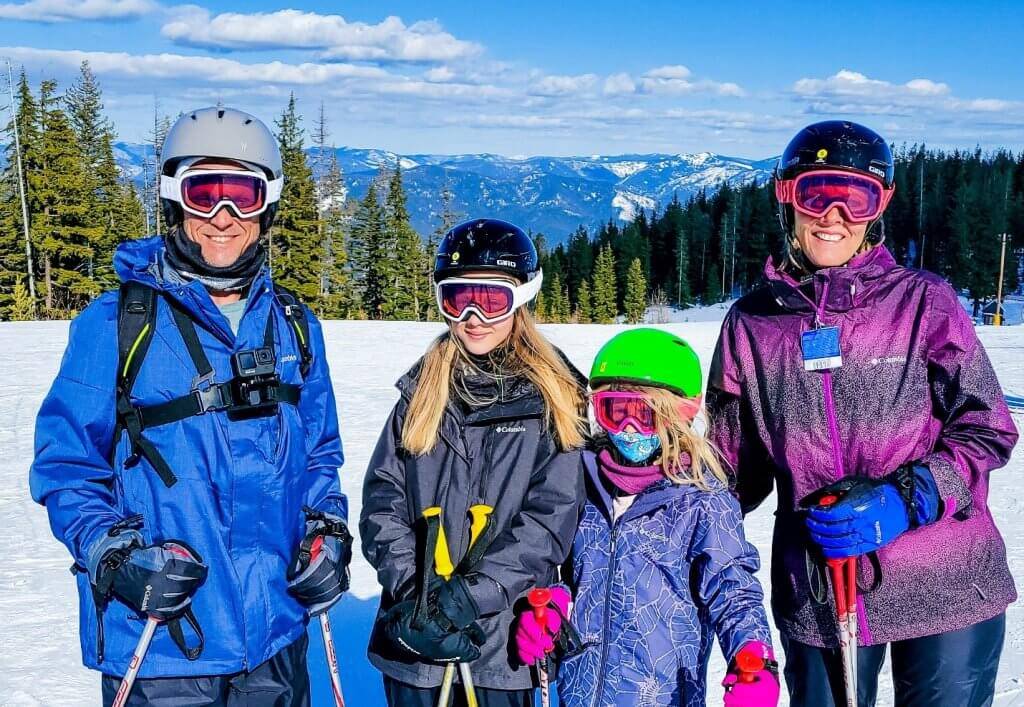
{"x": 635, "y": 446}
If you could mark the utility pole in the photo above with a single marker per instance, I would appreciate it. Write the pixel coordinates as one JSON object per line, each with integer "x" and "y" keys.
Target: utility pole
{"x": 997, "y": 320}
{"x": 21, "y": 190}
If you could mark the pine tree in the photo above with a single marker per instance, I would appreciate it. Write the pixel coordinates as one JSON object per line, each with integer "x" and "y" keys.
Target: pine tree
{"x": 371, "y": 259}
{"x": 95, "y": 136}
{"x": 584, "y": 308}
{"x": 336, "y": 294}
{"x": 636, "y": 293}
{"x": 21, "y": 308}
{"x": 540, "y": 308}
{"x": 448, "y": 218}
{"x": 713, "y": 293}
{"x": 403, "y": 298}
{"x": 151, "y": 173}
{"x": 296, "y": 250}
{"x": 558, "y": 301}
{"x": 64, "y": 232}
{"x": 604, "y": 294}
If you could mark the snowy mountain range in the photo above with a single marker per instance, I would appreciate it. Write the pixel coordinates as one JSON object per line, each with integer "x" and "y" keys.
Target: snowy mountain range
{"x": 550, "y": 195}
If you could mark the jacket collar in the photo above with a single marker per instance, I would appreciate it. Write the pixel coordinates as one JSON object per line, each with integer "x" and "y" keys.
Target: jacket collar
{"x": 651, "y": 499}
{"x": 837, "y": 289}
{"x": 142, "y": 261}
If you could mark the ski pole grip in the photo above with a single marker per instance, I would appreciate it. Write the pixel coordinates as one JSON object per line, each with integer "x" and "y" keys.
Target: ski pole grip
{"x": 748, "y": 665}
{"x": 478, "y": 514}
{"x": 538, "y": 598}
{"x": 442, "y": 559}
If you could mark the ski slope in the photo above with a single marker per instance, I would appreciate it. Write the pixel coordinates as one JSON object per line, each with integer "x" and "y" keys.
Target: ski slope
{"x": 39, "y": 645}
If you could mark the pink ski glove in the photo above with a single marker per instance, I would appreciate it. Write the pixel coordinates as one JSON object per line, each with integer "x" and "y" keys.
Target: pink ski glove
{"x": 756, "y": 688}
{"x": 532, "y": 641}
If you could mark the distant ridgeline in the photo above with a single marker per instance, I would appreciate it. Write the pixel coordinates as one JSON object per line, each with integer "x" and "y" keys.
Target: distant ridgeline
{"x": 616, "y": 233}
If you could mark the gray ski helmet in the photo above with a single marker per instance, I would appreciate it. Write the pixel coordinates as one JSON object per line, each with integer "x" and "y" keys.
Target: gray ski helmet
{"x": 225, "y": 133}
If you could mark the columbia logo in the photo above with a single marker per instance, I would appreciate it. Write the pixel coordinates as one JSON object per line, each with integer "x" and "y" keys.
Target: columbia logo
{"x": 510, "y": 428}
{"x": 888, "y": 359}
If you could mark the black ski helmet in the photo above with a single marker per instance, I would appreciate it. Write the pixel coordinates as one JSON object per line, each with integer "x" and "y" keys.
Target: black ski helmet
{"x": 839, "y": 145}
{"x": 486, "y": 244}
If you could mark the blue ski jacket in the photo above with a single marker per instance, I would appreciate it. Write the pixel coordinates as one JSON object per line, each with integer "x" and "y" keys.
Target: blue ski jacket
{"x": 652, "y": 590}
{"x": 242, "y": 483}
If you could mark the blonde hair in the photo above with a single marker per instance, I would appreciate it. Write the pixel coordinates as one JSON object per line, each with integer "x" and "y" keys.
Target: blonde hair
{"x": 678, "y": 437}
{"x": 537, "y": 360}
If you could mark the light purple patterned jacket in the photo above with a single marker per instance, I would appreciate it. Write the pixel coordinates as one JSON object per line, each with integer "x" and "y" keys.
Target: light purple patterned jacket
{"x": 915, "y": 385}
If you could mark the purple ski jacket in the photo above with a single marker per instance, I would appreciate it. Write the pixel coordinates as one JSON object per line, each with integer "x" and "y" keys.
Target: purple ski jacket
{"x": 915, "y": 385}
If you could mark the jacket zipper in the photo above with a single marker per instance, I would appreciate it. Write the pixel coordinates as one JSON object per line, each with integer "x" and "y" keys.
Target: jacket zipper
{"x": 829, "y": 400}
{"x": 607, "y": 614}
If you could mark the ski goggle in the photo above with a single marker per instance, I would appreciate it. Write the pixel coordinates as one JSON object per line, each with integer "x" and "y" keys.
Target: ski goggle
{"x": 860, "y": 197}
{"x": 615, "y": 410}
{"x": 490, "y": 300}
{"x": 203, "y": 191}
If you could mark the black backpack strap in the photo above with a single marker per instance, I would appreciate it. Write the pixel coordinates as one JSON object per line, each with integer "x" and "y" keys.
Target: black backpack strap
{"x": 136, "y": 320}
{"x": 295, "y": 313}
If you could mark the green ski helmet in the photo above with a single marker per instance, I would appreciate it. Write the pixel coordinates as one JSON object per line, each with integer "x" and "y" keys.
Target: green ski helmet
{"x": 649, "y": 357}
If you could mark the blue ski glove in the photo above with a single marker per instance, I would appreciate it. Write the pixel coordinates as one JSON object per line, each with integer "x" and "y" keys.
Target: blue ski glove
{"x": 871, "y": 513}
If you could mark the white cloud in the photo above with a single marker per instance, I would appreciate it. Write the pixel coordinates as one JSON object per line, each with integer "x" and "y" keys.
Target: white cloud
{"x": 562, "y": 85}
{"x": 674, "y": 72}
{"x": 670, "y": 80}
{"x": 197, "y": 69}
{"x": 439, "y": 74}
{"x": 848, "y": 83}
{"x": 337, "y": 38}
{"x": 64, "y": 10}
{"x": 621, "y": 83}
{"x": 851, "y": 92}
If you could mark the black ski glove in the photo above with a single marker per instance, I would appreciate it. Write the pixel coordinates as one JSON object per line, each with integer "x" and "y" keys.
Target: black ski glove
{"x": 319, "y": 572}
{"x": 453, "y": 602}
{"x": 156, "y": 580}
{"x": 432, "y": 637}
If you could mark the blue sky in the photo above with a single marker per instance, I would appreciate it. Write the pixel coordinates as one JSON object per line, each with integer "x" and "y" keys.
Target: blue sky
{"x": 566, "y": 78}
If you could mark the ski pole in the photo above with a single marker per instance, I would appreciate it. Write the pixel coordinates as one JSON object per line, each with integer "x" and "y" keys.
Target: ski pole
{"x": 325, "y": 630}
{"x": 121, "y": 698}
{"x": 479, "y": 514}
{"x": 844, "y": 588}
{"x": 538, "y": 598}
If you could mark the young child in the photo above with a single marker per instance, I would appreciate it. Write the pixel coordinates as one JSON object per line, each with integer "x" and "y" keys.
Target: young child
{"x": 492, "y": 417}
{"x": 659, "y": 565}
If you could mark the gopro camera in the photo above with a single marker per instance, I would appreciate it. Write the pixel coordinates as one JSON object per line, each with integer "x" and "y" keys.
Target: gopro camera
{"x": 255, "y": 378}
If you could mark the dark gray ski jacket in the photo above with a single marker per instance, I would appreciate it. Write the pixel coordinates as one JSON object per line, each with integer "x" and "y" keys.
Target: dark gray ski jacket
{"x": 504, "y": 456}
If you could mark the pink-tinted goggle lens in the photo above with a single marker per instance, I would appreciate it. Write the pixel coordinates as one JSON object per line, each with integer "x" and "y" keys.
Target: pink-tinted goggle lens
{"x": 491, "y": 299}
{"x": 615, "y": 410}
{"x": 202, "y": 192}
{"x": 815, "y": 193}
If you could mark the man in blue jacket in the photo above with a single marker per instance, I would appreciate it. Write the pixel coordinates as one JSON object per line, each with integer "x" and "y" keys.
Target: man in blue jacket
{"x": 188, "y": 451}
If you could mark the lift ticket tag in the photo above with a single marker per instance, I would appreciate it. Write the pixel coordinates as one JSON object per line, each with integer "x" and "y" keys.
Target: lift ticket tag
{"x": 821, "y": 349}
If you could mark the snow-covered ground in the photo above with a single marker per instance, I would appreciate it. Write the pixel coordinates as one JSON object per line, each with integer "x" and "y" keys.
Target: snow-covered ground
{"x": 39, "y": 653}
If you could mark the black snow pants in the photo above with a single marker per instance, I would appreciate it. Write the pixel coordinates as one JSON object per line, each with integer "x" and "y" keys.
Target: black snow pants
{"x": 954, "y": 669}
{"x": 399, "y": 694}
{"x": 282, "y": 681}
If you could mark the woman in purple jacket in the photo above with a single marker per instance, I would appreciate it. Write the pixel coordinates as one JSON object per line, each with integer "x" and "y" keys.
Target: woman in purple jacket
{"x": 847, "y": 375}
